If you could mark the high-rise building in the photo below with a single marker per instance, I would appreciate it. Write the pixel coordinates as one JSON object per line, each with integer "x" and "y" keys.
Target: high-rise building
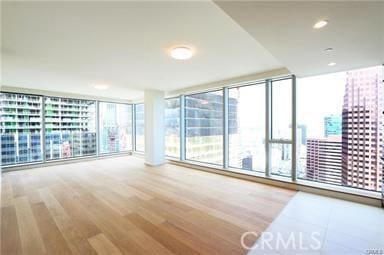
{"x": 70, "y": 129}
{"x": 139, "y": 127}
{"x": 109, "y": 138}
{"x": 172, "y": 127}
{"x": 332, "y": 125}
{"x": 20, "y": 128}
{"x": 324, "y": 160}
{"x": 301, "y": 134}
{"x": 362, "y": 129}
{"x": 204, "y": 121}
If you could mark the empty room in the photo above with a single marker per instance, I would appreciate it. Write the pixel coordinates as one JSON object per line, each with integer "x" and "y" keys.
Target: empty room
{"x": 192, "y": 127}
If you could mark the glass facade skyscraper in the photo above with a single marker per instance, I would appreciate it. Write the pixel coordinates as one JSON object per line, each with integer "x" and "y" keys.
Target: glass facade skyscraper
{"x": 70, "y": 128}
{"x": 115, "y": 127}
{"x": 248, "y": 127}
{"x": 172, "y": 127}
{"x": 139, "y": 127}
{"x": 204, "y": 127}
{"x": 332, "y": 125}
{"x": 21, "y": 136}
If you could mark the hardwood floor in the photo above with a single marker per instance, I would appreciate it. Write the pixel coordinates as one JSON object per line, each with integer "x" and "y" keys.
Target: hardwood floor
{"x": 120, "y": 206}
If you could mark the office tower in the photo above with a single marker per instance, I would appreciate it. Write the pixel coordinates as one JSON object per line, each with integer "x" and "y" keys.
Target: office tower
{"x": 20, "y": 128}
{"x": 362, "y": 129}
{"x": 332, "y": 125}
{"x": 23, "y": 147}
{"x": 8, "y": 149}
{"x": 247, "y": 162}
{"x": 204, "y": 122}
{"x": 69, "y": 127}
{"x": 324, "y": 160}
{"x": 109, "y": 141}
{"x": 286, "y": 152}
{"x": 139, "y": 127}
{"x": 172, "y": 127}
{"x": 301, "y": 134}
{"x": 115, "y": 127}
{"x": 124, "y": 127}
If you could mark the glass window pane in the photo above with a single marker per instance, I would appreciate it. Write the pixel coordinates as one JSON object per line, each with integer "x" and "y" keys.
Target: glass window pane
{"x": 247, "y": 127}
{"x": 340, "y": 128}
{"x": 172, "y": 127}
{"x": 282, "y": 109}
{"x": 115, "y": 128}
{"x": 204, "y": 127}
{"x": 21, "y": 136}
{"x": 70, "y": 128}
{"x": 280, "y": 156}
{"x": 139, "y": 127}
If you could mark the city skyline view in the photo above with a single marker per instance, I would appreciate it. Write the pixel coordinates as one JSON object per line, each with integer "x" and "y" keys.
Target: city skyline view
{"x": 325, "y": 151}
{"x": 192, "y": 127}
{"x": 115, "y": 127}
{"x": 319, "y": 129}
{"x": 351, "y": 157}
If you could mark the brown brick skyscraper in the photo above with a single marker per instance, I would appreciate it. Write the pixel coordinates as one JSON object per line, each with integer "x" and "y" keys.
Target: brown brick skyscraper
{"x": 362, "y": 129}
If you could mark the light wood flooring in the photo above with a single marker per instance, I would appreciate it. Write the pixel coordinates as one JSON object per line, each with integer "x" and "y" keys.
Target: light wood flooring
{"x": 120, "y": 206}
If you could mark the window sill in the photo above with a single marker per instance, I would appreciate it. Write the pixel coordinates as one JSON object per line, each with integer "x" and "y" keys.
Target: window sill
{"x": 346, "y": 193}
{"x": 53, "y": 162}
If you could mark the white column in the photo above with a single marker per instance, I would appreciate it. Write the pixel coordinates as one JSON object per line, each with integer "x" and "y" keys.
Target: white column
{"x": 154, "y": 127}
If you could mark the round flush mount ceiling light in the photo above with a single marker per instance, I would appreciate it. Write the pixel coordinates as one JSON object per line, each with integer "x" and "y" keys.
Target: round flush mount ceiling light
{"x": 181, "y": 53}
{"x": 332, "y": 64}
{"x": 100, "y": 86}
{"x": 328, "y": 49}
{"x": 320, "y": 24}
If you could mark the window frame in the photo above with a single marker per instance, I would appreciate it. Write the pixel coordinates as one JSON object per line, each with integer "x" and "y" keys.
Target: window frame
{"x": 96, "y": 127}
{"x": 222, "y": 90}
{"x": 134, "y": 128}
{"x": 42, "y": 132}
{"x": 99, "y": 127}
{"x": 44, "y": 160}
{"x": 227, "y": 152}
{"x": 269, "y": 140}
{"x": 181, "y": 117}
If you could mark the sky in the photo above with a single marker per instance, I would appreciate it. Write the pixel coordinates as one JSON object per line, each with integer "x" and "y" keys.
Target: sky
{"x": 317, "y": 97}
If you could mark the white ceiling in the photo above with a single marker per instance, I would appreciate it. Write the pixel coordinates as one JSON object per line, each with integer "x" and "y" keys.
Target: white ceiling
{"x": 355, "y": 31}
{"x": 66, "y": 46}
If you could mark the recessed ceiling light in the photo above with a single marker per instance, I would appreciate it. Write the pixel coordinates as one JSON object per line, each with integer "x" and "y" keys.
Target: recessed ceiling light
{"x": 100, "y": 86}
{"x": 320, "y": 24}
{"x": 332, "y": 64}
{"x": 328, "y": 49}
{"x": 181, "y": 53}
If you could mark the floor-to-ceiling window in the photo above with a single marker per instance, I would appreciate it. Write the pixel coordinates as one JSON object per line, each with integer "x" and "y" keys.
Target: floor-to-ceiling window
{"x": 281, "y": 127}
{"x": 21, "y": 136}
{"x": 204, "y": 127}
{"x": 246, "y": 127}
{"x": 139, "y": 128}
{"x": 172, "y": 127}
{"x": 70, "y": 128}
{"x": 115, "y": 127}
{"x": 340, "y": 128}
